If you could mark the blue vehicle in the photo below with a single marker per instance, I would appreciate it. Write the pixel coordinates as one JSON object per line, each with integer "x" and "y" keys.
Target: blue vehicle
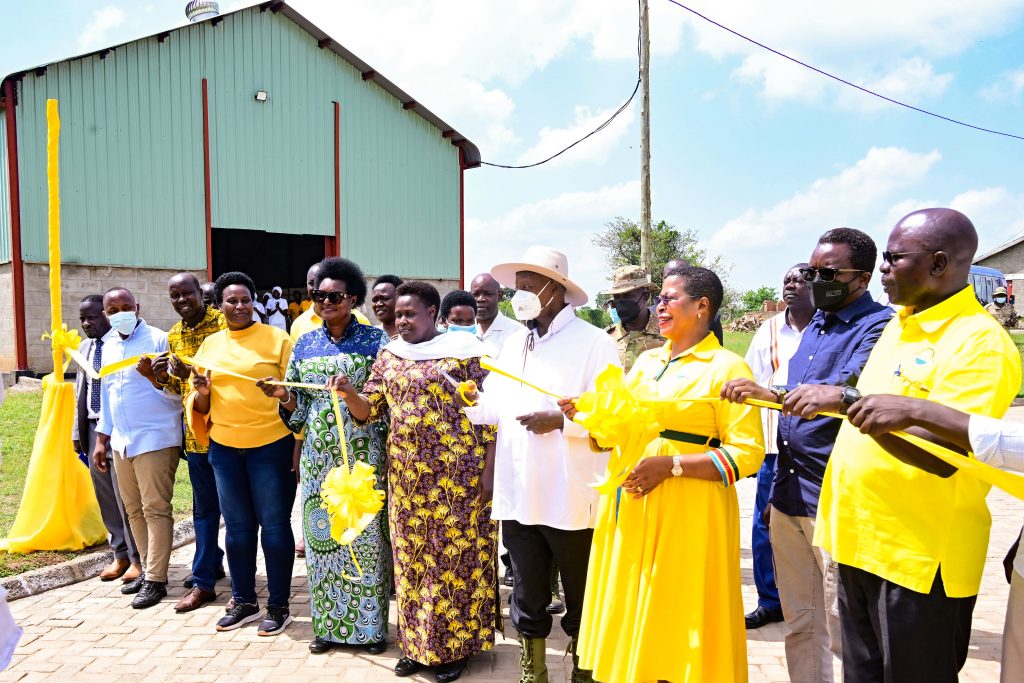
{"x": 985, "y": 281}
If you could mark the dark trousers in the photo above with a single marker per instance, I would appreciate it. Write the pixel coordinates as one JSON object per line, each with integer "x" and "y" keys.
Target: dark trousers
{"x": 206, "y": 519}
{"x": 761, "y": 545}
{"x": 256, "y": 488}
{"x": 533, "y": 548}
{"x": 115, "y": 518}
{"x": 895, "y": 635}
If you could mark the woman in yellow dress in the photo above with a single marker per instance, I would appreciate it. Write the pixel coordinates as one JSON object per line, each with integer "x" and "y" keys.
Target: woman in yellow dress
{"x": 663, "y": 589}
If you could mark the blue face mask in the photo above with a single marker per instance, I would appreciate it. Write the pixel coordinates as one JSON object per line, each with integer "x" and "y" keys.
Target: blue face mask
{"x": 614, "y": 313}
{"x": 999, "y": 299}
{"x": 463, "y": 328}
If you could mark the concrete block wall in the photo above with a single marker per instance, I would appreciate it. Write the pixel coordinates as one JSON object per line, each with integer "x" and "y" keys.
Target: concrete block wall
{"x": 8, "y": 361}
{"x": 149, "y": 285}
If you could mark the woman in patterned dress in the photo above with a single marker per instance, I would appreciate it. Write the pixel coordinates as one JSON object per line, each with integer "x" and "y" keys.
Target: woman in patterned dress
{"x": 348, "y": 607}
{"x": 443, "y": 539}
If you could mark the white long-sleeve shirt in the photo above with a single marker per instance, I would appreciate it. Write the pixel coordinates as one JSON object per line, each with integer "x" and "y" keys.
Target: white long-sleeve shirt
{"x": 999, "y": 443}
{"x": 501, "y": 328}
{"x": 545, "y": 478}
{"x": 773, "y": 345}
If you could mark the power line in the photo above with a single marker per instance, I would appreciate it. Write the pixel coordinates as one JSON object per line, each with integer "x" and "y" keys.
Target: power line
{"x": 597, "y": 130}
{"x": 842, "y": 80}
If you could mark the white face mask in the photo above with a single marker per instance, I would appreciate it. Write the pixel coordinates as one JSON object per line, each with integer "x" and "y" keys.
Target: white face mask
{"x": 123, "y": 321}
{"x": 527, "y": 305}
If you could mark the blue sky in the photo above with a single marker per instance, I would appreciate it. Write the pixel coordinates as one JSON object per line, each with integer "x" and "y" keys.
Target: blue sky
{"x": 757, "y": 155}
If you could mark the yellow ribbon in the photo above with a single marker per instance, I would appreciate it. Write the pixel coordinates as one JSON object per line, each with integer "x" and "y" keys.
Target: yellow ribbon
{"x": 66, "y": 342}
{"x": 349, "y": 495}
{"x": 487, "y": 364}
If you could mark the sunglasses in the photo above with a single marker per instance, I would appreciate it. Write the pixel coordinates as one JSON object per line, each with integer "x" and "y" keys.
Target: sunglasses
{"x": 321, "y": 296}
{"x": 662, "y": 300}
{"x": 892, "y": 257}
{"x": 826, "y": 274}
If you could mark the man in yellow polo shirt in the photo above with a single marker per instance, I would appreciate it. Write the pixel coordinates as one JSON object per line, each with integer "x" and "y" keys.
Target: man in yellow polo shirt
{"x": 910, "y": 535}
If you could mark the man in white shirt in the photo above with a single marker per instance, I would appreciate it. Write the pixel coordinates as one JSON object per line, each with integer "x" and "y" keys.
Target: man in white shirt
{"x": 141, "y": 424}
{"x": 493, "y": 327}
{"x": 773, "y": 345}
{"x": 996, "y": 442}
{"x": 544, "y": 466}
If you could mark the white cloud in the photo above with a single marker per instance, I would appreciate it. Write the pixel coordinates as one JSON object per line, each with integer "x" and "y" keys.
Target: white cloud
{"x": 855, "y": 194}
{"x": 96, "y": 32}
{"x": 909, "y": 80}
{"x": 997, "y": 214}
{"x": 1007, "y": 86}
{"x": 566, "y": 222}
{"x": 596, "y": 149}
{"x": 886, "y": 44}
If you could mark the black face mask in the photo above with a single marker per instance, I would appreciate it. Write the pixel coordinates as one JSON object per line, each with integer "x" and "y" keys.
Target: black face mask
{"x": 829, "y": 296}
{"x": 628, "y": 310}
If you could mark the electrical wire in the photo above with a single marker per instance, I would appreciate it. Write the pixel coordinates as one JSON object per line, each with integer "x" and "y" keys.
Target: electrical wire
{"x": 842, "y": 80}
{"x": 636, "y": 89}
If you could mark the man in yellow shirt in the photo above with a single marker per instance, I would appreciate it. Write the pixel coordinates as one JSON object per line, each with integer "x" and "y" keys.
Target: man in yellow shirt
{"x": 909, "y": 533}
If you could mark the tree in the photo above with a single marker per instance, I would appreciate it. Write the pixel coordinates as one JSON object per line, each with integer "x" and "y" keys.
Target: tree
{"x": 754, "y": 298}
{"x": 620, "y": 241}
{"x": 595, "y": 315}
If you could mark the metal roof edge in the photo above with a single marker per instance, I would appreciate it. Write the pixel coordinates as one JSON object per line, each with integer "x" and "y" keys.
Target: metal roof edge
{"x": 1002, "y": 247}
{"x": 470, "y": 152}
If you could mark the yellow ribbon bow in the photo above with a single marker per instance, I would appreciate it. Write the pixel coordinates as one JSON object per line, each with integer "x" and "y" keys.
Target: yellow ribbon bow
{"x": 349, "y": 494}
{"x": 65, "y": 342}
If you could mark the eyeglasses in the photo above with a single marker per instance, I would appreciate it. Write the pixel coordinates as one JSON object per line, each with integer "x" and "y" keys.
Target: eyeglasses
{"x": 891, "y": 257}
{"x": 321, "y": 296}
{"x": 826, "y": 274}
{"x": 662, "y": 300}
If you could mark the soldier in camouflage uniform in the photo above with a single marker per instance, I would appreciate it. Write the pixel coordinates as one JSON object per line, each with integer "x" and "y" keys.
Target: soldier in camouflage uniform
{"x": 1002, "y": 310}
{"x": 634, "y": 328}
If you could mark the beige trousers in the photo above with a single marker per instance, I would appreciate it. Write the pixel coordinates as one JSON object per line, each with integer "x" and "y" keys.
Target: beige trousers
{"x": 1013, "y": 633}
{"x": 808, "y": 583}
{"x": 146, "y": 482}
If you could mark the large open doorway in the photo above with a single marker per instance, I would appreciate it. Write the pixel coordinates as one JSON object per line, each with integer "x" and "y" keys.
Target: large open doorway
{"x": 271, "y": 259}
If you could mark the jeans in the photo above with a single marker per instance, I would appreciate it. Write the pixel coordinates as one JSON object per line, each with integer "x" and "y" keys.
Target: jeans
{"x": 760, "y": 542}
{"x": 256, "y": 488}
{"x": 206, "y": 519}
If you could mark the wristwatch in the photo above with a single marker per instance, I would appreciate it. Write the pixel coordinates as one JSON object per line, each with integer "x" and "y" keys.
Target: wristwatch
{"x": 850, "y": 395}
{"x": 677, "y": 466}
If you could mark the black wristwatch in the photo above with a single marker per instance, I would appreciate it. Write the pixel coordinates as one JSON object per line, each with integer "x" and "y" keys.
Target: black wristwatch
{"x": 849, "y": 396}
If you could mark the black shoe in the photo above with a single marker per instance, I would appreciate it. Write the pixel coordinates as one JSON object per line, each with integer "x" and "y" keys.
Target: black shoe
{"x": 274, "y": 621}
{"x": 509, "y": 579}
{"x": 318, "y": 646}
{"x": 190, "y": 580}
{"x": 450, "y": 671}
{"x": 134, "y": 586}
{"x": 407, "y": 667}
{"x": 377, "y": 648}
{"x": 239, "y": 615}
{"x": 762, "y": 617}
{"x": 151, "y": 593}
{"x": 555, "y": 607}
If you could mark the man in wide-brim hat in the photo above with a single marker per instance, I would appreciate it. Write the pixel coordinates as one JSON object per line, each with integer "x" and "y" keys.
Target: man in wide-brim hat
{"x": 543, "y": 466}
{"x": 633, "y": 329}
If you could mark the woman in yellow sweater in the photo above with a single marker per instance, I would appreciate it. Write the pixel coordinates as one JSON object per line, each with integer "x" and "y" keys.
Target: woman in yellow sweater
{"x": 250, "y": 452}
{"x": 663, "y": 588}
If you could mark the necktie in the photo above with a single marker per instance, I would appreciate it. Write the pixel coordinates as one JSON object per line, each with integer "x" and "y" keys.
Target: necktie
{"x": 97, "y": 363}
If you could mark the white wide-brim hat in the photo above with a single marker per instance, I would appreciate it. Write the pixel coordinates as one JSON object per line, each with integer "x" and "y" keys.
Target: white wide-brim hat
{"x": 545, "y": 261}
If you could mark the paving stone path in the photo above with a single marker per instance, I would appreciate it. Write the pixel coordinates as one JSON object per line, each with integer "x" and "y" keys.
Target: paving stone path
{"x": 88, "y": 632}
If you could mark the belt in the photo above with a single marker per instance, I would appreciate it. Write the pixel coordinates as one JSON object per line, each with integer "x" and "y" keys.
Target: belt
{"x": 687, "y": 437}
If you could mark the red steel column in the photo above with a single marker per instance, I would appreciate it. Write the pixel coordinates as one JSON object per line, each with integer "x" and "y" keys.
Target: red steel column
{"x": 337, "y": 179}
{"x": 17, "y": 265}
{"x": 462, "y": 219}
{"x": 206, "y": 182}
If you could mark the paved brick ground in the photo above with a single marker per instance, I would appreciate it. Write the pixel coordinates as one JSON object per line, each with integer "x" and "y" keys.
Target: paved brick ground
{"x": 87, "y": 632}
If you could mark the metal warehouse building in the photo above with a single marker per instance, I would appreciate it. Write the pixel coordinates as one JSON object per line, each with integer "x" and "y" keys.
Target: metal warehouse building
{"x": 250, "y": 141}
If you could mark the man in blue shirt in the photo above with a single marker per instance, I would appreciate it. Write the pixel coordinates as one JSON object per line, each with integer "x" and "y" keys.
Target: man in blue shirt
{"x": 142, "y": 425}
{"x": 822, "y": 373}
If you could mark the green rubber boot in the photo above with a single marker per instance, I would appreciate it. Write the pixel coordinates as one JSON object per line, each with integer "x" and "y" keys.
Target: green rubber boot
{"x": 578, "y": 675}
{"x": 533, "y": 661}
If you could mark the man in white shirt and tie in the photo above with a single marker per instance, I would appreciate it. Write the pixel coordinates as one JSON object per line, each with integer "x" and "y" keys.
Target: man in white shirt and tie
{"x": 493, "y": 327}
{"x": 544, "y": 465}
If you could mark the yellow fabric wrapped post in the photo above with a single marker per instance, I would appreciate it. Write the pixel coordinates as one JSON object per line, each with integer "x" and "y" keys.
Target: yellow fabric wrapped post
{"x": 58, "y": 507}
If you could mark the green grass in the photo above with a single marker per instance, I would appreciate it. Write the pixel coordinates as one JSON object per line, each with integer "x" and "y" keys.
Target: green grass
{"x": 738, "y": 342}
{"x": 1018, "y": 339}
{"x": 19, "y": 416}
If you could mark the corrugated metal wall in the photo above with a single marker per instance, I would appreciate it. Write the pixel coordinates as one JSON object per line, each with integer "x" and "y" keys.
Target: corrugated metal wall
{"x": 5, "y": 196}
{"x": 131, "y": 162}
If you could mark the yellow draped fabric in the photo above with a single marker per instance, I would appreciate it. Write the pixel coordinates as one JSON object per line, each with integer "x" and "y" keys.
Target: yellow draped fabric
{"x": 58, "y": 507}
{"x": 663, "y": 590}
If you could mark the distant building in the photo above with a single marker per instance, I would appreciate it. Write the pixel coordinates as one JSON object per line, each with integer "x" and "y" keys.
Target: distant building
{"x": 1009, "y": 259}
{"x": 250, "y": 141}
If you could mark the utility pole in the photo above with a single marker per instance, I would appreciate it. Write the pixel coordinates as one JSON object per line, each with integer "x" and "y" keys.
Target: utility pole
{"x": 645, "y": 137}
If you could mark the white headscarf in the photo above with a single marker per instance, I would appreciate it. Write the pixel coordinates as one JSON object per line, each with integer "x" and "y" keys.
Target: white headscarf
{"x": 450, "y": 345}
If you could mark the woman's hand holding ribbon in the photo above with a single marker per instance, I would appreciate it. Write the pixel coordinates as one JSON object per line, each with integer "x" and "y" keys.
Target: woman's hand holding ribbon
{"x": 271, "y": 390}
{"x": 568, "y": 406}
{"x": 201, "y": 381}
